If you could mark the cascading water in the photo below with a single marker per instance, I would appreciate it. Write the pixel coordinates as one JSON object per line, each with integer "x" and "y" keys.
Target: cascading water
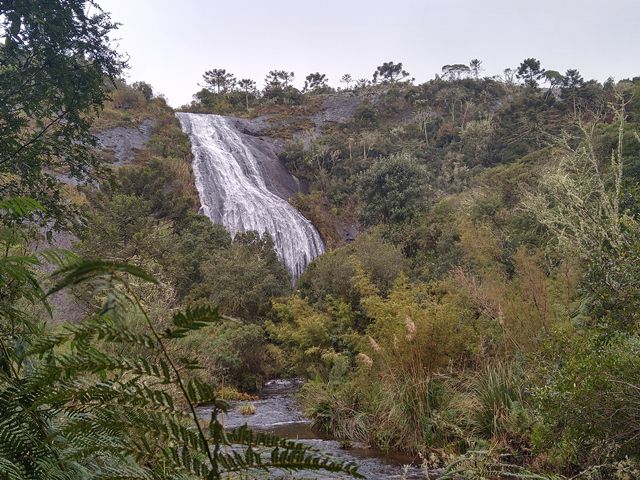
{"x": 234, "y": 193}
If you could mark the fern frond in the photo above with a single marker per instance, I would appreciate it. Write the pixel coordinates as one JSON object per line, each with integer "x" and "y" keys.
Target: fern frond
{"x": 60, "y": 257}
{"x": 192, "y": 319}
{"x": 76, "y": 411}
{"x": 87, "y": 270}
{"x": 19, "y": 207}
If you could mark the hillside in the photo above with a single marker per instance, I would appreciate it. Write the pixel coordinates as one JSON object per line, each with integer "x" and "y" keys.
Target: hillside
{"x": 475, "y": 312}
{"x": 453, "y": 310}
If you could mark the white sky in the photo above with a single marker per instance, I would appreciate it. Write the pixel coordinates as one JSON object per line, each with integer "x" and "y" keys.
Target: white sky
{"x": 171, "y": 43}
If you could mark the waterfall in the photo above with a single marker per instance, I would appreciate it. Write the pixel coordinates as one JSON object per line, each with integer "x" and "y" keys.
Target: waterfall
{"x": 232, "y": 186}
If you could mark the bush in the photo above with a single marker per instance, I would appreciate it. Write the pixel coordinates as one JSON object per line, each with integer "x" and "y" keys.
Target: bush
{"x": 332, "y": 274}
{"x": 391, "y": 190}
{"x": 590, "y": 407}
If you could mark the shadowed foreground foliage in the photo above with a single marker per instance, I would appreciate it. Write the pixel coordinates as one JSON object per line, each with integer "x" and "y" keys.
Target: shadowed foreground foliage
{"x": 75, "y": 405}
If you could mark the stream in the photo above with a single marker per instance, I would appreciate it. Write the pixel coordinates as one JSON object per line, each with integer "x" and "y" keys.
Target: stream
{"x": 278, "y": 413}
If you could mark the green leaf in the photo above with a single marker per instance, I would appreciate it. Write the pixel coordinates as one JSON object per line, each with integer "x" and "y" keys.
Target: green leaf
{"x": 192, "y": 319}
{"x": 87, "y": 270}
{"x": 20, "y": 206}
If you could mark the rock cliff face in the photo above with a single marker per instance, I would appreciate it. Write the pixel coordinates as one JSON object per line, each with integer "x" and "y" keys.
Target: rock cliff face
{"x": 124, "y": 141}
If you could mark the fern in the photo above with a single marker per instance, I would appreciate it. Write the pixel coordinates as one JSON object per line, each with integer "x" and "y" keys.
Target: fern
{"x": 71, "y": 409}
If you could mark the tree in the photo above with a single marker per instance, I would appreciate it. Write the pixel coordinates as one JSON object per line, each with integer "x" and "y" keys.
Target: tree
{"x": 571, "y": 83}
{"x": 362, "y": 83}
{"x": 452, "y": 96}
{"x": 347, "y": 79}
{"x": 424, "y": 118}
{"x": 333, "y": 274}
{"x": 278, "y": 87}
{"x": 243, "y": 279}
{"x": 391, "y": 190}
{"x": 315, "y": 81}
{"x": 572, "y": 79}
{"x": 219, "y": 79}
{"x": 581, "y": 203}
{"x": 554, "y": 79}
{"x": 248, "y": 86}
{"x": 390, "y": 72}
{"x": 145, "y": 89}
{"x": 56, "y": 64}
{"x": 455, "y": 71}
{"x": 279, "y": 78}
{"x": 508, "y": 76}
{"x": 530, "y": 71}
{"x": 476, "y": 67}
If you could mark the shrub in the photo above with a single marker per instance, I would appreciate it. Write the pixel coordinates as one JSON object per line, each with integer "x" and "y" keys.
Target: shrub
{"x": 391, "y": 190}
{"x": 590, "y": 406}
{"x": 247, "y": 409}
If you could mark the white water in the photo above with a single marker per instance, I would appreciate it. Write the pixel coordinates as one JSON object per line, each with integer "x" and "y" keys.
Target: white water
{"x": 233, "y": 191}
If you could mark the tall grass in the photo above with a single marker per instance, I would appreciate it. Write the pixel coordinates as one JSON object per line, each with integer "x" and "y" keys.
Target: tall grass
{"x": 496, "y": 393}
{"x": 335, "y": 411}
{"x": 407, "y": 411}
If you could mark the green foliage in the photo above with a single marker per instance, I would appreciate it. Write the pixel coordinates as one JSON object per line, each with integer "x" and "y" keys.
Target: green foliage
{"x": 456, "y": 352}
{"x": 154, "y": 183}
{"x": 590, "y": 404}
{"x": 197, "y": 241}
{"x": 234, "y": 353}
{"x": 313, "y": 340}
{"x": 390, "y": 72}
{"x": 70, "y": 409}
{"x": 145, "y": 89}
{"x": 55, "y": 59}
{"x": 455, "y": 71}
{"x": 315, "y": 82}
{"x": 195, "y": 263}
{"x": 497, "y": 393}
{"x": 448, "y": 326}
{"x": 333, "y": 274}
{"x": 391, "y": 190}
{"x": 456, "y": 326}
{"x": 219, "y": 79}
{"x": 530, "y": 71}
{"x": 243, "y": 278}
{"x": 580, "y": 203}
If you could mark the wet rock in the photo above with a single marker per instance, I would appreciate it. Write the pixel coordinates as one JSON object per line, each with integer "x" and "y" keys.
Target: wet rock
{"x": 266, "y": 149}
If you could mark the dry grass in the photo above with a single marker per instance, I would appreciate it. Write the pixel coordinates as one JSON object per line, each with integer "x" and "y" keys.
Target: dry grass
{"x": 247, "y": 409}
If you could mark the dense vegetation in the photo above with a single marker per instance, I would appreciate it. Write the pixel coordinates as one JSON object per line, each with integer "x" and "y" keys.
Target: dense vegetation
{"x": 488, "y": 309}
{"x": 113, "y": 396}
{"x": 485, "y": 317}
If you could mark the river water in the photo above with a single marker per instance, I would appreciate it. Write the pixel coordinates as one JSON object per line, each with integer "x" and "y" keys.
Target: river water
{"x": 277, "y": 413}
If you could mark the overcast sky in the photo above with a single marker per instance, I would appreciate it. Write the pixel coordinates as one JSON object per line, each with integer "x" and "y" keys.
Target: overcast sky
{"x": 170, "y": 43}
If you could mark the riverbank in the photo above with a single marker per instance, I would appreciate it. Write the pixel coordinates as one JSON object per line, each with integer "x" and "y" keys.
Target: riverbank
{"x": 277, "y": 412}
